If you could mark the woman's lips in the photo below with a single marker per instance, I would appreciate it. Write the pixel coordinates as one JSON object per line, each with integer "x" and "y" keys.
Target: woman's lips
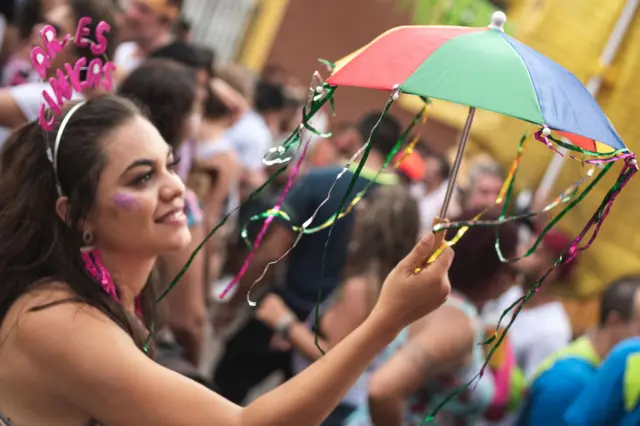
{"x": 174, "y": 217}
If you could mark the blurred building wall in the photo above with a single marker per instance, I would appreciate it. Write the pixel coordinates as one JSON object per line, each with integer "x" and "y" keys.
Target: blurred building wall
{"x": 220, "y": 24}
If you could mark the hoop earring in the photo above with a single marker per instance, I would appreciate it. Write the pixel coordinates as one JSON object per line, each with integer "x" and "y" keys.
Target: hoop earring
{"x": 87, "y": 239}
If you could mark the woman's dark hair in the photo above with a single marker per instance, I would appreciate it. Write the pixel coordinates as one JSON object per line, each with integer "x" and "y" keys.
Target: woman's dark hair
{"x": 166, "y": 92}
{"x": 183, "y": 52}
{"x": 387, "y": 133}
{"x": 269, "y": 97}
{"x": 207, "y": 60}
{"x": 620, "y": 297}
{"x": 386, "y": 230}
{"x": 36, "y": 246}
{"x": 214, "y": 108}
{"x": 97, "y": 10}
{"x": 476, "y": 262}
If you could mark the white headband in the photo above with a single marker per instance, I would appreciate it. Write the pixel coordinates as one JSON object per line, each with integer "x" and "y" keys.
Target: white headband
{"x": 54, "y": 157}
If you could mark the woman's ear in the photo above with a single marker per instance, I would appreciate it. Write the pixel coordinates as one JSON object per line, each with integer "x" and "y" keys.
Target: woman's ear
{"x": 62, "y": 208}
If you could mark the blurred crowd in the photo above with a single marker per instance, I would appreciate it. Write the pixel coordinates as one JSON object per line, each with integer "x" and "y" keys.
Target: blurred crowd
{"x": 221, "y": 120}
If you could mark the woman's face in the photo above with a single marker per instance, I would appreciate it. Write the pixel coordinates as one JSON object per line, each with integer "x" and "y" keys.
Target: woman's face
{"x": 139, "y": 206}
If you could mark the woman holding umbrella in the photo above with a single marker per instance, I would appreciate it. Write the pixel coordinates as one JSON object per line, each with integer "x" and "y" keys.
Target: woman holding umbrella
{"x": 69, "y": 350}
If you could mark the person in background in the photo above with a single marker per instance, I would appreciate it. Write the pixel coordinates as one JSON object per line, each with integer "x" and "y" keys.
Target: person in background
{"x": 543, "y": 325}
{"x": 228, "y": 318}
{"x": 573, "y": 377}
{"x": 18, "y": 69}
{"x": 274, "y": 74}
{"x": 485, "y": 181}
{"x": 191, "y": 56}
{"x": 8, "y": 30}
{"x": 215, "y": 175}
{"x": 347, "y": 140}
{"x": 21, "y": 104}
{"x": 386, "y": 227}
{"x": 431, "y": 190}
{"x": 167, "y": 92}
{"x": 323, "y": 154}
{"x": 184, "y": 31}
{"x": 252, "y": 134}
{"x": 249, "y": 357}
{"x": 200, "y": 59}
{"x": 410, "y": 168}
{"x": 612, "y": 395}
{"x": 215, "y": 155}
{"x": 148, "y": 25}
{"x": 444, "y": 350}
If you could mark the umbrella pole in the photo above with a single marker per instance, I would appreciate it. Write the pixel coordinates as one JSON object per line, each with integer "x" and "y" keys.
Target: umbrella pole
{"x": 456, "y": 164}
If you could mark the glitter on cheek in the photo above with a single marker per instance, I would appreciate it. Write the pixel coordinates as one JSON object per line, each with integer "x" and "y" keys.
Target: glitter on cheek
{"x": 126, "y": 202}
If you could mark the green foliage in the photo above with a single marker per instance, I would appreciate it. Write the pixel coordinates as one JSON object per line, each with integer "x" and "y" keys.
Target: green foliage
{"x": 471, "y": 13}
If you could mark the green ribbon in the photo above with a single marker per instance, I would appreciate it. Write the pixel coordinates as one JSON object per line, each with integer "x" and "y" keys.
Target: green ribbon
{"x": 316, "y": 103}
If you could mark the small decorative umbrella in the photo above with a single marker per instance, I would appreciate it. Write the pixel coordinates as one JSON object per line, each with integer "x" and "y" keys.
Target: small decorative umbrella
{"x": 481, "y": 68}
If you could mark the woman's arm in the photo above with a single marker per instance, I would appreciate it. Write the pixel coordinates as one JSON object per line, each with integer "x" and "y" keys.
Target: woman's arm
{"x": 443, "y": 343}
{"x": 86, "y": 360}
{"x": 187, "y": 306}
{"x": 228, "y": 176}
{"x": 10, "y": 113}
{"x": 344, "y": 316}
{"x": 230, "y": 97}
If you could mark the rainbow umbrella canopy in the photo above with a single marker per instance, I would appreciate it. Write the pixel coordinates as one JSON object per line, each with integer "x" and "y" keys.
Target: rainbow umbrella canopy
{"x": 482, "y": 68}
{"x": 485, "y": 68}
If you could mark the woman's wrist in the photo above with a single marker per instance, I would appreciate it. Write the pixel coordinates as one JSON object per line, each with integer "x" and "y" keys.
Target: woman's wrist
{"x": 284, "y": 324}
{"x": 386, "y": 328}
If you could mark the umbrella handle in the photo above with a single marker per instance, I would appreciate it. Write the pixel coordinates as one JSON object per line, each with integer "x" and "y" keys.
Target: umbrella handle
{"x": 437, "y": 242}
{"x": 439, "y": 235}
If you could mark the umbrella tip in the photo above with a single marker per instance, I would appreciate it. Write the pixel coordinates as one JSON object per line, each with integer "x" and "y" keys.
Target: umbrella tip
{"x": 497, "y": 20}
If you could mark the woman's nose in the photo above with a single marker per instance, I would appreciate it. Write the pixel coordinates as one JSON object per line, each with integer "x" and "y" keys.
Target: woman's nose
{"x": 172, "y": 188}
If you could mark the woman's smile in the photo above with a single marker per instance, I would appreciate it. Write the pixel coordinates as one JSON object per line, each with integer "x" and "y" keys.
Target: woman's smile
{"x": 174, "y": 217}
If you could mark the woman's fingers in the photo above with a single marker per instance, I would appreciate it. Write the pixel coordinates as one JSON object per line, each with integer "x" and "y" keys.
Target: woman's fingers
{"x": 419, "y": 254}
{"x": 442, "y": 263}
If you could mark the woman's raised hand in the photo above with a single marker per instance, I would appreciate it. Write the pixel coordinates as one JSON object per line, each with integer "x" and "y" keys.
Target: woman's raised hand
{"x": 407, "y": 296}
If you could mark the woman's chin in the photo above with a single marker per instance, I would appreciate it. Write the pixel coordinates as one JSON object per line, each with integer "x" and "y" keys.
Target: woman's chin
{"x": 180, "y": 240}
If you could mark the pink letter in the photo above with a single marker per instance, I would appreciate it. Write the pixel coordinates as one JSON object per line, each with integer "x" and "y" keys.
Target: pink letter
{"x": 40, "y": 61}
{"x": 61, "y": 87}
{"x": 47, "y": 125}
{"x": 101, "y": 46}
{"x": 53, "y": 106}
{"x": 74, "y": 73}
{"x": 107, "y": 80}
{"x": 51, "y": 43}
{"x": 82, "y": 32}
{"x": 94, "y": 74}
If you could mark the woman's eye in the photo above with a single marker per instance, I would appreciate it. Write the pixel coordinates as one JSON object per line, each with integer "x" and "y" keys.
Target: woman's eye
{"x": 173, "y": 163}
{"x": 142, "y": 179}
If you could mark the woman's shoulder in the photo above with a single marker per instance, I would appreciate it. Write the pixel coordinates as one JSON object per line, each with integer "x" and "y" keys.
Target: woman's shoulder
{"x": 51, "y": 319}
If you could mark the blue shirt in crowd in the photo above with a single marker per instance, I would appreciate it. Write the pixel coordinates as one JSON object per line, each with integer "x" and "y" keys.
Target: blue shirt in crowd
{"x": 557, "y": 384}
{"x": 305, "y": 275}
{"x": 612, "y": 395}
